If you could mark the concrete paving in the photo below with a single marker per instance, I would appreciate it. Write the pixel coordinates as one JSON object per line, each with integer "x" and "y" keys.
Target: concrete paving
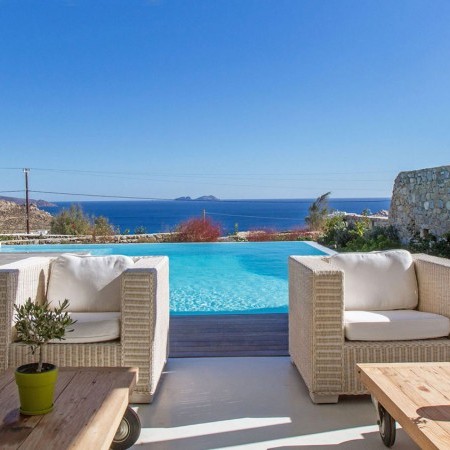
{"x": 252, "y": 403}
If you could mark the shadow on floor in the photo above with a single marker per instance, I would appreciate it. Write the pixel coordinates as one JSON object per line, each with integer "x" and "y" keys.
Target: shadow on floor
{"x": 252, "y": 403}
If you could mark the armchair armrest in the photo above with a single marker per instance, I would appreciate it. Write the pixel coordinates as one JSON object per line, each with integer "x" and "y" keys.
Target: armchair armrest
{"x": 145, "y": 320}
{"x": 316, "y": 329}
{"x": 433, "y": 277}
{"x": 19, "y": 281}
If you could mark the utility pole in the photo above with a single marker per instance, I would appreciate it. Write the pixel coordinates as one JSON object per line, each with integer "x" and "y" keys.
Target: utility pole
{"x": 204, "y": 215}
{"x": 27, "y": 200}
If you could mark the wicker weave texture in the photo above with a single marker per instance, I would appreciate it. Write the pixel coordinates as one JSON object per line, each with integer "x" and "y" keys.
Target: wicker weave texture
{"x": 97, "y": 354}
{"x": 18, "y": 282}
{"x": 433, "y": 276}
{"x": 315, "y": 323}
{"x": 145, "y": 295}
{"x": 144, "y": 322}
{"x": 326, "y": 361}
{"x": 428, "y": 350}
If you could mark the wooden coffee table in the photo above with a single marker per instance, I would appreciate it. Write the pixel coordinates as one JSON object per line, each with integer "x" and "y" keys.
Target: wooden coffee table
{"x": 416, "y": 395}
{"x": 91, "y": 410}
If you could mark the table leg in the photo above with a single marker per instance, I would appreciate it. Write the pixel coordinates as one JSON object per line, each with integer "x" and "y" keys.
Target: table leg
{"x": 128, "y": 432}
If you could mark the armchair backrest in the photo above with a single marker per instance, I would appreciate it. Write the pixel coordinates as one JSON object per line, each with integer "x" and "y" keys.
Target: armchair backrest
{"x": 26, "y": 278}
{"x": 378, "y": 281}
{"x": 90, "y": 283}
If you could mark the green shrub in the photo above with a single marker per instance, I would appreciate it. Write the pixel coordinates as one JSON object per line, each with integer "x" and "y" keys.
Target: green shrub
{"x": 6, "y": 238}
{"x": 71, "y": 221}
{"x": 75, "y": 222}
{"x": 431, "y": 245}
{"x": 379, "y": 238}
{"x": 102, "y": 227}
{"x": 335, "y": 231}
{"x": 357, "y": 235}
{"x": 140, "y": 230}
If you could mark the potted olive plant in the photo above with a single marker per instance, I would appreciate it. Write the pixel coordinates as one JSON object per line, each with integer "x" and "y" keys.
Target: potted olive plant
{"x": 36, "y": 325}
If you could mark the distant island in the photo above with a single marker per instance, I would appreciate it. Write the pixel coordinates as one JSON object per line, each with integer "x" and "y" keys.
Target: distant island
{"x": 21, "y": 201}
{"x": 203, "y": 198}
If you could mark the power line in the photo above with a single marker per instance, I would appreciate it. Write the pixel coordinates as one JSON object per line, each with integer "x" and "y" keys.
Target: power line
{"x": 202, "y": 175}
{"x": 374, "y": 200}
{"x": 100, "y": 195}
{"x": 253, "y": 217}
{"x": 308, "y": 187}
{"x": 308, "y": 200}
{"x": 129, "y": 197}
{"x": 270, "y": 185}
{"x": 173, "y": 178}
{"x": 272, "y": 181}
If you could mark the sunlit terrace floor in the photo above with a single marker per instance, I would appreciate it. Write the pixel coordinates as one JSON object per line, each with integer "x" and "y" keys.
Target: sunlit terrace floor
{"x": 251, "y": 403}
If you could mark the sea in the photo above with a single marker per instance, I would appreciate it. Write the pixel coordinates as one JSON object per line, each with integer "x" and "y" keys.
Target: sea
{"x": 156, "y": 216}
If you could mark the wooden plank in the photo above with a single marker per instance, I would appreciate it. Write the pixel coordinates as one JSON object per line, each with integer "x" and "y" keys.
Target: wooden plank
{"x": 416, "y": 395}
{"x": 15, "y": 428}
{"x": 89, "y": 405}
{"x": 6, "y": 378}
{"x": 229, "y": 335}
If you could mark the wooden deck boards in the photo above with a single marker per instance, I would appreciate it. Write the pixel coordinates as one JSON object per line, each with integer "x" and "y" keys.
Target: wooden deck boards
{"x": 229, "y": 335}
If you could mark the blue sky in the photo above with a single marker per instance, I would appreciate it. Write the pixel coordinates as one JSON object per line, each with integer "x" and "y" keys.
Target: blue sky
{"x": 238, "y": 99}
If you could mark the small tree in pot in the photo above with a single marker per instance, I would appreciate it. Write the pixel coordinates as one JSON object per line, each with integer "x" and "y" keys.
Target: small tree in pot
{"x": 36, "y": 325}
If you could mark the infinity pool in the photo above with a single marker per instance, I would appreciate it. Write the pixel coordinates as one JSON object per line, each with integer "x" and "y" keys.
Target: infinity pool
{"x": 212, "y": 278}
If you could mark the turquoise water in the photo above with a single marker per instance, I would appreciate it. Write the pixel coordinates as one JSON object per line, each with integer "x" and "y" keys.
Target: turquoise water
{"x": 212, "y": 278}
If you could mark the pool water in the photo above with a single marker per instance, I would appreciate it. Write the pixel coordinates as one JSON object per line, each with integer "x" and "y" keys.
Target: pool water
{"x": 212, "y": 278}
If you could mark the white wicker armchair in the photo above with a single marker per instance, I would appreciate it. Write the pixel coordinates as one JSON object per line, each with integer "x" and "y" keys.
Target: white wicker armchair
{"x": 144, "y": 330}
{"x": 317, "y": 345}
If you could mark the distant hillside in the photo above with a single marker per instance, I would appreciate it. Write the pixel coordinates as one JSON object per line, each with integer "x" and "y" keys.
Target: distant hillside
{"x": 13, "y": 218}
{"x": 21, "y": 201}
{"x": 203, "y": 198}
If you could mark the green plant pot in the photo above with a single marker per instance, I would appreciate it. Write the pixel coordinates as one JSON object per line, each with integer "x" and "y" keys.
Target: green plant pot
{"x": 36, "y": 390}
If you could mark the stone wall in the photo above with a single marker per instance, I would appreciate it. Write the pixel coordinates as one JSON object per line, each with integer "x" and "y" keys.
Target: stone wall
{"x": 421, "y": 203}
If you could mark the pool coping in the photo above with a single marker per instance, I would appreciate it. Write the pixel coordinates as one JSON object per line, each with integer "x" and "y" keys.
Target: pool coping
{"x": 321, "y": 247}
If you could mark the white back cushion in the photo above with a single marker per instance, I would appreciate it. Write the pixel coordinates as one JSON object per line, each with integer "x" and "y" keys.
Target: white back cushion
{"x": 378, "y": 281}
{"x": 90, "y": 283}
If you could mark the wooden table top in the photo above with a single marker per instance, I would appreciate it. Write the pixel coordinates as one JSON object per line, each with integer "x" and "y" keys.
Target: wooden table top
{"x": 89, "y": 405}
{"x": 416, "y": 395}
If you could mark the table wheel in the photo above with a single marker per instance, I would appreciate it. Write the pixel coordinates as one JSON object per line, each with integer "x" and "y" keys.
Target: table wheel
{"x": 128, "y": 432}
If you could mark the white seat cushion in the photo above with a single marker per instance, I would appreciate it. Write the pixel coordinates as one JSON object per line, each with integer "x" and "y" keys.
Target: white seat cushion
{"x": 90, "y": 283}
{"x": 378, "y": 281}
{"x": 397, "y": 325}
{"x": 92, "y": 327}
